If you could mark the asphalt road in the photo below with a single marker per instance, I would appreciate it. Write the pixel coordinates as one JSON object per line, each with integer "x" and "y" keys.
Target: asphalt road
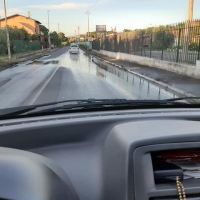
{"x": 64, "y": 76}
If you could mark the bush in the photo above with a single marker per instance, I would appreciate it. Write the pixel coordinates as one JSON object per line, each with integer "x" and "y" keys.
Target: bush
{"x": 193, "y": 46}
{"x": 3, "y": 44}
{"x": 14, "y": 34}
{"x": 159, "y": 43}
{"x": 34, "y": 37}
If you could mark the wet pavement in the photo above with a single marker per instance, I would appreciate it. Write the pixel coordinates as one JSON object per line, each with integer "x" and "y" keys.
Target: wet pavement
{"x": 64, "y": 76}
{"x": 182, "y": 82}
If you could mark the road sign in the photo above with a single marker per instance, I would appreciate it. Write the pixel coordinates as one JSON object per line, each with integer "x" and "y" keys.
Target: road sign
{"x": 90, "y": 39}
{"x": 100, "y": 28}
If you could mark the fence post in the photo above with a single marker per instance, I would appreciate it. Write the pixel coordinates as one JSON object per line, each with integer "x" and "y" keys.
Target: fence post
{"x": 142, "y": 45}
{"x": 198, "y": 58}
{"x": 179, "y": 38}
{"x": 151, "y": 44}
{"x": 163, "y": 37}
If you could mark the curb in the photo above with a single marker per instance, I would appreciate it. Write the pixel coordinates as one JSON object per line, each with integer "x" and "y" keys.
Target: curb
{"x": 25, "y": 57}
{"x": 164, "y": 86}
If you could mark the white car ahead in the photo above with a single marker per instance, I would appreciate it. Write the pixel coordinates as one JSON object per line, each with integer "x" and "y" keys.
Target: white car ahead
{"x": 74, "y": 48}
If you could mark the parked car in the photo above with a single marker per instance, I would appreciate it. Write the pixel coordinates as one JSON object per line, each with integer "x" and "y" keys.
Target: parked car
{"x": 74, "y": 48}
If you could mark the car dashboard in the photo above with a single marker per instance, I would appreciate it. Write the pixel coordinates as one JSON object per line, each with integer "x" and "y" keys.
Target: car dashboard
{"x": 95, "y": 155}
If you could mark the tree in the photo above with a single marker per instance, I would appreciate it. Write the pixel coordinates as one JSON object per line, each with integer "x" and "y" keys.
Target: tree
{"x": 34, "y": 37}
{"x": 15, "y": 34}
{"x": 45, "y": 31}
{"x": 62, "y": 37}
{"x": 25, "y": 33}
{"x": 18, "y": 34}
{"x": 127, "y": 30}
{"x": 163, "y": 40}
{"x": 55, "y": 39}
{"x": 92, "y": 34}
{"x": 71, "y": 40}
{"x": 3, "y": 45}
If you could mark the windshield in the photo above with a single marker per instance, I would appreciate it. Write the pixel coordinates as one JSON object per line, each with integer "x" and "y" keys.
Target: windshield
{"x": 132, "y": 49}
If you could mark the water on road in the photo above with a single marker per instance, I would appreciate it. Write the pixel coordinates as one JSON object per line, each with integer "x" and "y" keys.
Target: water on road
{"x": 65, "y": 76}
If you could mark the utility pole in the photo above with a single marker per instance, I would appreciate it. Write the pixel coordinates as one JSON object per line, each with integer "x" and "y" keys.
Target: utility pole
{"x": 78, "y": 33}
{"x": 190, "y": 10}
{"x": 58, "y": 34}
{"x": 7, "y": 33}
{"x": 88, "y": 13}
{"x": 75, "y": 35}
{"x": 187, "y": 31}
{"x": 49, "y": 31}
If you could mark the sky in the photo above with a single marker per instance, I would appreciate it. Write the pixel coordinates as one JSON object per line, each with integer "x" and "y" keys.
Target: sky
{"x": 124, "y": 14}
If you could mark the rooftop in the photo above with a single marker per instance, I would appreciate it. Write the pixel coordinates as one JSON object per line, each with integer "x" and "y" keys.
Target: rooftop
{"x": 19, "y": 15}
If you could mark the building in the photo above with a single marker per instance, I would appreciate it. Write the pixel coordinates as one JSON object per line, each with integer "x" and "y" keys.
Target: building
{"x": 20, "y": 21}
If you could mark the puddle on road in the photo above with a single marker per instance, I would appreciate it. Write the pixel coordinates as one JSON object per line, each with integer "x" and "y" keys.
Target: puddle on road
{"x": 35, "y": 62}
{"x": 3, "y": 82}
{"x": 55, "y": 62}
{"x": 130, "y": 85}
{"x": 123, "y": 81}
{"x": 39, "y": 62}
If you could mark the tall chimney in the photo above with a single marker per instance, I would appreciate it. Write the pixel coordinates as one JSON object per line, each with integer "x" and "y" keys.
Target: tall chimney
{"x": 29, "y": 15}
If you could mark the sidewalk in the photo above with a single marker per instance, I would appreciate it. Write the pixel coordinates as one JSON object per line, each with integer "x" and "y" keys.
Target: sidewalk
{"x": 17, "y": 58}
{"x": 184, "y": 83}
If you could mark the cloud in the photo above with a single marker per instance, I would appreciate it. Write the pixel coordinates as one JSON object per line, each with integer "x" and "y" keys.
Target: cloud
{"x": 11, "y": 11}
{"x": 103, "y": 1}
{"x": 60, "y": 6}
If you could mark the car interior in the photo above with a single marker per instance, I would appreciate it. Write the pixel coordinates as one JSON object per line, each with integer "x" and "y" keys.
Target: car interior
{"x": 127, "y": 154}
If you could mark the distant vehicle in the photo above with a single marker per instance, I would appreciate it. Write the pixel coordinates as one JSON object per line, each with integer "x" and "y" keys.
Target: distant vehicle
{"x": 74, "y": 48}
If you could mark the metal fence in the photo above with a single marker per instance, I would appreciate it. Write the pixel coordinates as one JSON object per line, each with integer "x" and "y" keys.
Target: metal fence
{"x": 96, "y": 45}
{"x": 84, "y": 44}
{"x": 176, "y": 43}
{"x": 20, "y": 46}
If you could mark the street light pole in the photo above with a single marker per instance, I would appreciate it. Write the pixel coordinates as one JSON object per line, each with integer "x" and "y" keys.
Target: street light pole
{"x": 49, "y": 31}
{"x": 7, "y": 33}
{"x": 78, "y": 33}
{"x": 75, "y": 35}
{"x": 187, "y": 31}
{"x": 88, "y": 13}
{"x": 190, "y": 10}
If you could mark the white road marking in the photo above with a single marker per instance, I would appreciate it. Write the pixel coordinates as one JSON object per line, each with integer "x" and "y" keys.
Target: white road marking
{"x": 42, "y": 88}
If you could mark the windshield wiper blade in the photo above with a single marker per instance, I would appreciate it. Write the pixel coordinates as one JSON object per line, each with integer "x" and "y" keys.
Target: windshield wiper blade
{"x": 24, "y": 109}
{"x": 16, "y": 110}
{"x": 93, "y": 103}
{"x": 83, "y": 104}
{"x": 184, "y": 98}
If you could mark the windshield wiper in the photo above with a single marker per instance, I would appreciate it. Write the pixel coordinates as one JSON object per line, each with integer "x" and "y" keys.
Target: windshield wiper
{"x": 89, "y": 104}
{"x": 95, "y": 103}
{"x": 185, "y": 98}
{"x": 24, "y": 109}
